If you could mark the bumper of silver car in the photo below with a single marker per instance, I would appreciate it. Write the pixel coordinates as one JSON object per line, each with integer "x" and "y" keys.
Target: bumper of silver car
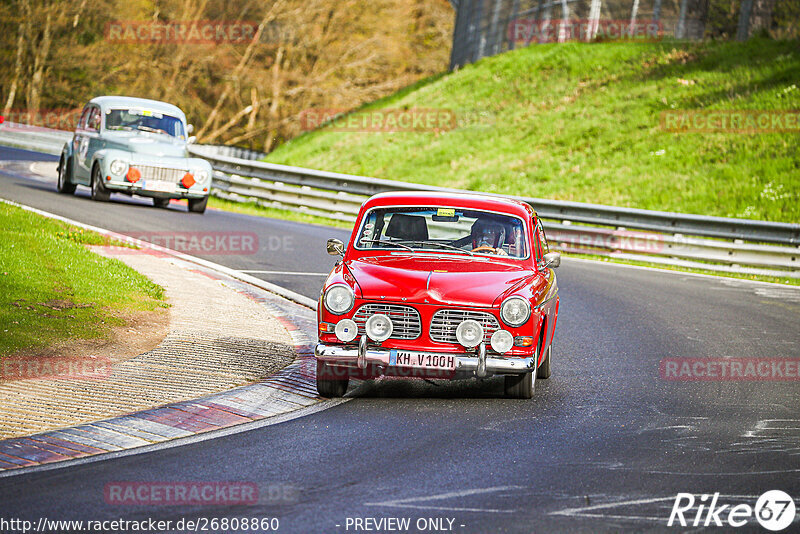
{"x": 479, "y": 364}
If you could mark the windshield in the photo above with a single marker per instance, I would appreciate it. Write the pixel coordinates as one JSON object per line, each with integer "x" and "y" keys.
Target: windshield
{"x": 145, "y": 121}
{"x": 446, "y": 230}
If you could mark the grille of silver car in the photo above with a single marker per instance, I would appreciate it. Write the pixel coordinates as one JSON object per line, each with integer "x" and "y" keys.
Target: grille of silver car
{"x": 406, "y": 323}
{"x": 445, "y": 322}
{"x": 160, "y": 173}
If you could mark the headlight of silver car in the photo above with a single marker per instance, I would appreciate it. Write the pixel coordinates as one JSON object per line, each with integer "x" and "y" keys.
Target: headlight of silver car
{"x": 202, "y": 176}
{"x": 339, "y": 299}
{"x": 118, "y": 167}
{"x": 515, "y": 311}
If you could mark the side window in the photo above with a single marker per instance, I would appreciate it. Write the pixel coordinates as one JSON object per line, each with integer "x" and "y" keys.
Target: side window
{"x": 540, "y": 243}
{"x": 84, "y": 118}
{"x": 94, "y": 119}
{"x": 543, "y": 238}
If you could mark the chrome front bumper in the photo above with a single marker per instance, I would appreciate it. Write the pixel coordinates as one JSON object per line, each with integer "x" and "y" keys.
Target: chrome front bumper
{"x": 481, "y": 364}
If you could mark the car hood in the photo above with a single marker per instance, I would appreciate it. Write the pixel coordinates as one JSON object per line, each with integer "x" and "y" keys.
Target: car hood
{"x": 475, "y": 282}
{"x": 152, "y": 145}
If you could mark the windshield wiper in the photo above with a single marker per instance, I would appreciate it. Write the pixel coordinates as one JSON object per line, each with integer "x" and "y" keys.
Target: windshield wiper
{"x": 394, "y": 243}
{"x": 443, "y": 245}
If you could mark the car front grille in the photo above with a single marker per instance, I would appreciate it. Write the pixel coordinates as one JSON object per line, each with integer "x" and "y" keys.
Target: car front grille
{"x": 160, "y": 173}
{"x": 445, "y": 322}
{"x": 405, "y": 319}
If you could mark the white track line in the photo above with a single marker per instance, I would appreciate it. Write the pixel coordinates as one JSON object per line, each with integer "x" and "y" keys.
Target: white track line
{"x": 293, "y": 273}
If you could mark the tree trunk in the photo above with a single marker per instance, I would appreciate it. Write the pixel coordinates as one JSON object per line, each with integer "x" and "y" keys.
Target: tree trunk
{"x": 39, "y": 61}
{"x": 761, "y": 15}
{"x": 562, "y": 27}
{"x": 634, "y": 13}
{"x": 680, "y": 31}
{"x": 594, "y": 19}
{"x": 743, "y": 30}
{"x": 12, "y": 93}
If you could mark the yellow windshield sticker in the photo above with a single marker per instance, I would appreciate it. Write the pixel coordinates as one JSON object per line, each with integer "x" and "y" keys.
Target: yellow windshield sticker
{"x": 446, "y": 212}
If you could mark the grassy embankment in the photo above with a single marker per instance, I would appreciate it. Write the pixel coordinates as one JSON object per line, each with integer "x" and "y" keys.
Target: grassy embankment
{"x": 53, "y": 289}
{"x": 581, "y": 122}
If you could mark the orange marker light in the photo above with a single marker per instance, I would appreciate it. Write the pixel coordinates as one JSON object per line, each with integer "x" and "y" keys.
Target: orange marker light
{"x": 188, "y": 180}
{"x": 133, "y": 175}
{"x": 523, "y": 341}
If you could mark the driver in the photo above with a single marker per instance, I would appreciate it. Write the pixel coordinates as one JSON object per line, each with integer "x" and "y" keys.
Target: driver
{"x": 487, "y": 233}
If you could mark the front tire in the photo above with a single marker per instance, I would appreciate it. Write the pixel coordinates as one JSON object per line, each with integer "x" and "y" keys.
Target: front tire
{"x": 198, "y": 205}
{"x": 520, "y": 386}
{"x": 544, "y": 369}
{"x": 99, "y": 192}
{"x": 65, "y": 185}
{"x": 329, "y": 381}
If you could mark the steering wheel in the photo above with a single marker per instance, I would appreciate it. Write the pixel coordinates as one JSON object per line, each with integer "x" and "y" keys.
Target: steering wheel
{"x": 485, "y": 248}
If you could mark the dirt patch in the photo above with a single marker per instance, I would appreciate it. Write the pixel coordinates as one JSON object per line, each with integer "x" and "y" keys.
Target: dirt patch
{"x": 142, "y": 332}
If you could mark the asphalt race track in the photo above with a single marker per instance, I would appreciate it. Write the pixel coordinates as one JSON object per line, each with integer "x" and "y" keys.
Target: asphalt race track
{"x": 605, "y": 445}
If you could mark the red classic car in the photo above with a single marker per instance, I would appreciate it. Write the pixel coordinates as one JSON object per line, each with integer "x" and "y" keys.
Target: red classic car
{"x": 437, "y": 285}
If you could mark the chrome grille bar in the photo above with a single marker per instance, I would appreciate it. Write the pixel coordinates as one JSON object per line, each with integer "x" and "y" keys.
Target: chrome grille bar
{"x": 406, "y": 322}
{"x": 445, "y": 322}
{"x": 161, "y": 173}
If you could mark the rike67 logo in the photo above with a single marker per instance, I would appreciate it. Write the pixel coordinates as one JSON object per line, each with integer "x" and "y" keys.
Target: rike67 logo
{"x": 774, "y": 510}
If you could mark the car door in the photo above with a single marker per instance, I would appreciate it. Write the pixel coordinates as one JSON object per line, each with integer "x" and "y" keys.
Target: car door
{"x": 550, "y": 306}
{"x": 79, "y": 147}
{"x": 93, "y": 141}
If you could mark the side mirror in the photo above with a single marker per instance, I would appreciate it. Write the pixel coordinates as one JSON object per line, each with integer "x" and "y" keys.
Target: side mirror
{"x": 335, "y": 247}
{"x": 191, "y": 140}
{"x": 551, "y": 259}
{"x": 189, "y": 128}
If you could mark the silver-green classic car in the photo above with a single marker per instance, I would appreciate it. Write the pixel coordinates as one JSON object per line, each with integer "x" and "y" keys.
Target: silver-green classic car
{"x": 134, "y": 146}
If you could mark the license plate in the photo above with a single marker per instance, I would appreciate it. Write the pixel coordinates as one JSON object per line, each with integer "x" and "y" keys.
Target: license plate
{"x": 157, "y": 185}
{"x": 423, "y": 360}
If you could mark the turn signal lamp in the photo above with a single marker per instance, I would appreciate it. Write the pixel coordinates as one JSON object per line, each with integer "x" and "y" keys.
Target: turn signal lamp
{"x": 133, "y": 175}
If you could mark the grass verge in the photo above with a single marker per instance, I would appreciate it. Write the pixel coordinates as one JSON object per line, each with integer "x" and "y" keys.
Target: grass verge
{"x": 581, "y": 122}
{"x": 52, "y": 288}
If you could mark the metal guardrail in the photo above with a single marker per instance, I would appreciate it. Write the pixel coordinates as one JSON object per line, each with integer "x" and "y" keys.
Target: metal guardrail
{"x": 33, "y": 138}
{"x": 738, "y": 245}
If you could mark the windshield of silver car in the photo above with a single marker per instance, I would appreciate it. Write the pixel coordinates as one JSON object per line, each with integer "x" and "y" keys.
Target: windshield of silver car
{"x": 445, "y": 230}
{"x": 145, "y": 121}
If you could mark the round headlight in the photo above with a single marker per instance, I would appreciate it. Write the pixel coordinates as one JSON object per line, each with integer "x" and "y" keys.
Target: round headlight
{"x": 379, "y": 327}
{"x": 339, "y": 299}
{"x": 346, "y": 330}
{"x": 502, "y": 341}
{"x": 202, "y": 176}
{"x": 118, "y": 167}
{"x": 515, "y": 311}
{"x": 469, "y": 333}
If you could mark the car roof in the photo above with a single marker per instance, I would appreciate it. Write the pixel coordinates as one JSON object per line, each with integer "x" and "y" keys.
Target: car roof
{"x": 446, "y": 199}
{"x": 106, "y": 102}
